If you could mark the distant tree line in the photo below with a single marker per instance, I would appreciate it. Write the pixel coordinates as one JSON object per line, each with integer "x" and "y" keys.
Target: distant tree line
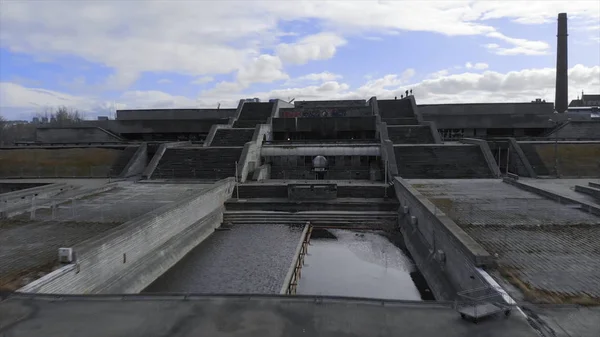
{"x": 16, "y": 131}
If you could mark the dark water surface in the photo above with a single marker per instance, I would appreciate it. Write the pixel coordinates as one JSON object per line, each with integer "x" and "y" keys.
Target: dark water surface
{"x": 358, "y": 264}
{"x": 245, "y": 259}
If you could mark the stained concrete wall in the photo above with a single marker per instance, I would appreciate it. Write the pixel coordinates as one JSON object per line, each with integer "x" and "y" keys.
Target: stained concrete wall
{"x": 127, "y": 258}
{"x": 324, "y": 125}
{"x": 149, "y": 170}
{"x": 75, "y": 135}
{"x": 451, "y": 250}
{"x": 174, "y": 114}
{"x": 487, "y": 109}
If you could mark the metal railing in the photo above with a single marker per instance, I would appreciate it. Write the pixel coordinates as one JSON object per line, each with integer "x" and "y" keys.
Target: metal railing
{"x": 296, "y": 274}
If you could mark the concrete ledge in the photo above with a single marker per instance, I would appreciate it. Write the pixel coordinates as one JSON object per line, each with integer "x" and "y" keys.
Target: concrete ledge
{"x": 487, "y": 154}
{"x": 250, "y": 157}
{"x": 290, "y": 273}
{"x": 594, "y": 192}
{"x": 104, "y": 257}
{"x": 522, "y": 157}
{"x": 158, "y": 155}
{"x": 149, "y": 268}
{"x": 434, "y": 131}
{"x": 137, "y": 163}
{"x": 585, "y": 207}
{"x": 594, "y": 185}
{"x": 19, "y": 202}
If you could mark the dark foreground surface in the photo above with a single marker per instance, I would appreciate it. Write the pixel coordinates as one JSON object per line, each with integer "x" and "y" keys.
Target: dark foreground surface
{"x": 228, "y": 316}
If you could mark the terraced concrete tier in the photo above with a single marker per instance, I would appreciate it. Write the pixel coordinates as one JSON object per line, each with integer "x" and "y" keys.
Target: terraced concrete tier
{"x": 247, "y": 258}
{"x": 125, "y": 202}
{"x": 441, "y": 161}
{"x": 548, "y": 250}
{"x": 410, "y": 134}
{"x": 576, "y": 159}
{"x": 232, "y": 137}
{"x": 198, "y": 162}
{"x": 64, "y": 162}
{"x": 29, "y": 247}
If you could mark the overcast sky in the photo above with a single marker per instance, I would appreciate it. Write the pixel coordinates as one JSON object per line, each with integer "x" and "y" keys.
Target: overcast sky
{"x": 97, "y": 55}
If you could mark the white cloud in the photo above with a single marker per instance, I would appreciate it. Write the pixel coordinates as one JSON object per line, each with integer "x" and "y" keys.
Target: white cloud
{"x": 313, "y": 78}
{"x": 202, "y": 80}
{"x": 489, "y": 86}
{"x": 476, "y": 66}
{"x": 262, "y": 69}
{"x": 320, "y": 46}
{"x": 520, "y": 46}
{"x": 164, "y": 81}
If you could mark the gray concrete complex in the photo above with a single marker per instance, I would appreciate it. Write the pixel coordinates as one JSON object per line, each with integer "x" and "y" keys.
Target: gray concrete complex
{"x": 476, "y": 206}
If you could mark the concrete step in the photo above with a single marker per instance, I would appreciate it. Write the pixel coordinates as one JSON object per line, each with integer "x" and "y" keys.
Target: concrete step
{"x": 591, "y": 191}
{"x": 594, "y": 185}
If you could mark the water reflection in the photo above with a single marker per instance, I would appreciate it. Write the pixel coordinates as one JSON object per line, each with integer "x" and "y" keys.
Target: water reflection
{"x": 359, "y": 264}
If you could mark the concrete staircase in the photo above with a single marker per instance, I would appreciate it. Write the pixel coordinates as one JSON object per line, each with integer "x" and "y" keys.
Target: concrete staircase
{"x": 198, "y": 162}
{"x": 410, "y": 134}
{"x": 248, "y": 191}
{"x": 401, "y": 121}
{"x": 354, "y": 219}
{"x": 253, "y": 114}
{"x": 232, "y": 137}
{"x": 441, "y": 161}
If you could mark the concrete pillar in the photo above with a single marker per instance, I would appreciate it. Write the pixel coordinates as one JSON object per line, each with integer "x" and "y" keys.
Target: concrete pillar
{"x": 562, "y": 79}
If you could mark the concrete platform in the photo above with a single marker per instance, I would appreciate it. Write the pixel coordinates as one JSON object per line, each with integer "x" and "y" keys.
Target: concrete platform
{"x": 29, "y": 246}
{"x": 256, "y": 316}
{"x": 548, "y": 250}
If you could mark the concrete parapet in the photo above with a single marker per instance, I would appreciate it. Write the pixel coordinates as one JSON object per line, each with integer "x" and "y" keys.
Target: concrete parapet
{"x": 516, "y": 148}
{"x": 158, "y": 155}
{"x": 213, "y": 131}
{"x": 137, "y": 164}
{"x": 487, "y": 154}
{"x": 434, "y": 131}
{"x": 594, "y": 192}
{"x": 584, "y": 206}
{"x": 17, "y": 202}
{"x": 124, "y": 259}
{"x": 263, "y": 172}
{"x": 250, "y": 158}
{"x": 449, "y": 247}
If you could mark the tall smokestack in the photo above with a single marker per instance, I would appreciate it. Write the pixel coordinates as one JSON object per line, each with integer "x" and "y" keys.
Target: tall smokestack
{"x": 562, "y": 78}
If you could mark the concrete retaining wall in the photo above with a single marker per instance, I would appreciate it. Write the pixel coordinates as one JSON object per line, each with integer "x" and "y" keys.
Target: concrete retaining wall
{"x": 263, "y": 172}
{"x": 442, "y": 237}
{"x": 137, "y": 164}
{"x": 123, "y": 259}
{"x": 585, "y": 207}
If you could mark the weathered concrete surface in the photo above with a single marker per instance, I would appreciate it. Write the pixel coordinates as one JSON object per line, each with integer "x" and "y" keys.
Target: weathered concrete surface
{"x": 564, "y": 187}
{"x": 566, "y": 320}
{"x": 236, "y": 316}
{"x": 248, "y": 258}
{"x": 98, "y": 260}
{"x": 548, "y": 250}
{"x": 424, "y": 225}
{"x": 31, "y": 246}
{"x": 174, "y": 114}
